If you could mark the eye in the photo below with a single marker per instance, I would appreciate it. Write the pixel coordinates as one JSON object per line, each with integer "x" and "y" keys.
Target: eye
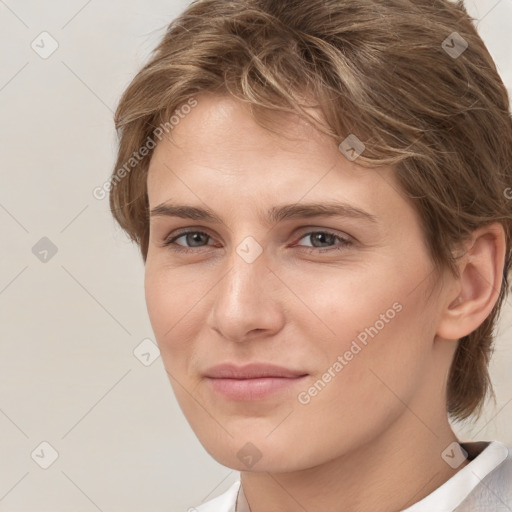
{"x": 192, "y": 239}
{"x": 320, "y": 241}
{"x": 324, "y": 240}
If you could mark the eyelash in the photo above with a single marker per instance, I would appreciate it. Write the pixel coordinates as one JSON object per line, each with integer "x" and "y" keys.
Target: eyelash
{"x": 344, "y": 242}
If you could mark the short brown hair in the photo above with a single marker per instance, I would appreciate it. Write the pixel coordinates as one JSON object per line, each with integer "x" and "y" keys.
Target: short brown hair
{"x": 395, "y": 73}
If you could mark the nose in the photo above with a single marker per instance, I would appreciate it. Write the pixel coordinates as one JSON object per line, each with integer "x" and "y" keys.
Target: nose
{"x": 246, "y": 301}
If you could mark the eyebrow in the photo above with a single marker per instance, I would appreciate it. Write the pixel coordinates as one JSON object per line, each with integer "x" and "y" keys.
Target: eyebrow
{"x": 274, "y": 215}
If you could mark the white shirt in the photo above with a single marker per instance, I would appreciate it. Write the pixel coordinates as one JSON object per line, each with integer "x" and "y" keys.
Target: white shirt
{"x": 483, "y": 485}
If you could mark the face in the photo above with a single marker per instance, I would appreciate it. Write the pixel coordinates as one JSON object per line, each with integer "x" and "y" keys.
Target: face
{"x": 272, "y": 250}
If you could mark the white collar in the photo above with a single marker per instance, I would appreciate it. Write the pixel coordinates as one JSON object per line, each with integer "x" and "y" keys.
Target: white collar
{"x": 454, "y": 491}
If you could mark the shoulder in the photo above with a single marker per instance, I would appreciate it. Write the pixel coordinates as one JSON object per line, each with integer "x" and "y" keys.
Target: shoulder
{"x": 224, "y": 503}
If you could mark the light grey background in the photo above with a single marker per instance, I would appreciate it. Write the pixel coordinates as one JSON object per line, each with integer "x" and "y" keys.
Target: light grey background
{"x": 69, "y": 326}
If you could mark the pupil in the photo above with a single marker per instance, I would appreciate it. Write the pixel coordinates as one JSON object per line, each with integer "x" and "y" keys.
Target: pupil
{"x": 319, "y": 236}
{"x": 195, "y": 237}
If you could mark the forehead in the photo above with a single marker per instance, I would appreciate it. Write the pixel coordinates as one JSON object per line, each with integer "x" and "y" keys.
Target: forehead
{"x": 225, "y": 127}
{"x": 219, "y": 151}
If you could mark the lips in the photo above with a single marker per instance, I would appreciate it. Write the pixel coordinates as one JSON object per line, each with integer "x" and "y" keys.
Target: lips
{"x": 254, "y": 381}
{"x": 251, "y": 371}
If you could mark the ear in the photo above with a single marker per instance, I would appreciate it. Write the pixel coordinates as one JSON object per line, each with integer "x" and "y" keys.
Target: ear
{"x": 472, "y": 296}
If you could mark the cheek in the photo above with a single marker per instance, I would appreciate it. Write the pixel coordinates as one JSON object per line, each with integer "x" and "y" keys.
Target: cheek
{"x": 338, "y": 304}
{"x": 365, "y": 325}
{"x": 378, "y": 360}
{"x": 169, "y": 303}
{"x": 159, "y": 301}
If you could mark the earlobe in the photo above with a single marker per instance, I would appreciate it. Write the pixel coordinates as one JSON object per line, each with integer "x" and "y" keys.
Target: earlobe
{"x": 474, "y": 293}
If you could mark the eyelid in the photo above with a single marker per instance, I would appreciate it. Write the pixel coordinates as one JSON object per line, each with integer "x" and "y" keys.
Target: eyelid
{"x": 170, "y": 239}
{"x": 308, "y": 230}
{"x": 339, "y": 234}
{"x": 343, "y": 242}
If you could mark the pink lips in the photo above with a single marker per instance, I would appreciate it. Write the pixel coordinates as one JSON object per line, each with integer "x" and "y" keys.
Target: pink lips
{"x": 251, "y": 382}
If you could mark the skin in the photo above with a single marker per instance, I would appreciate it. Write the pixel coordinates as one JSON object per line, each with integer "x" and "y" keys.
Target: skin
{"x": 372, "y": 438}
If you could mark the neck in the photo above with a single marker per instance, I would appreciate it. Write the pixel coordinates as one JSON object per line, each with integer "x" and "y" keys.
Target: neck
{"x": 390, "y": 473}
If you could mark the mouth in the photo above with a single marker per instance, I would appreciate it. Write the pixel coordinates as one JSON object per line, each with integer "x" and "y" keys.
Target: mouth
{"x": 251, "y": 382}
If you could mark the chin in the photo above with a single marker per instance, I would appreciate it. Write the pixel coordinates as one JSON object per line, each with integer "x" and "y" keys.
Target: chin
{"x": 255, "y": 454}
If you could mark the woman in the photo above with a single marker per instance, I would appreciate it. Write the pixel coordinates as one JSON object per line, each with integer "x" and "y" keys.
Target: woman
{"x": 319, "y": 191}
